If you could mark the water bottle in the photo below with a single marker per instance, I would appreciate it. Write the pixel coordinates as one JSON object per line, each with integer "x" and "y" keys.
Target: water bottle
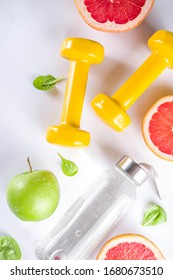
{"x": 94, "y": 214}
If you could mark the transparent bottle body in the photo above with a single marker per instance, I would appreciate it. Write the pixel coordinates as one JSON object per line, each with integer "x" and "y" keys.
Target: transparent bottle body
{"x": 90, "y": 218}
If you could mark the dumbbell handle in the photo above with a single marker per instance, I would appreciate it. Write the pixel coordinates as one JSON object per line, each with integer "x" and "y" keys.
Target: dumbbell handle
{"x": 140, "y": 80}
{"x": 75, "y": 92}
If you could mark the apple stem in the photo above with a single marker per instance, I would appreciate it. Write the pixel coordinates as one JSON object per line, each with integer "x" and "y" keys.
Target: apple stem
{"x": 29, "y": 163}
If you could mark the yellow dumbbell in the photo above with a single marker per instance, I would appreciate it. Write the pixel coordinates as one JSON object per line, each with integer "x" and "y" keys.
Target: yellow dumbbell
{"x": 112, "y": 110}
{"x": 81, "y": 53}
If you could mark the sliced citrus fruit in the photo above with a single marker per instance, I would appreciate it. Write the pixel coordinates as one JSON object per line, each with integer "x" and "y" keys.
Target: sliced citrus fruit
{"x": 130, "y": 247}
{"x": 157, "y": 128}
{"x": 114, "y": 15}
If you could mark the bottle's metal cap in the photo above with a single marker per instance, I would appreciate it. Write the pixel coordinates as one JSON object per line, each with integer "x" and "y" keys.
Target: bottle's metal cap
{"x": 134, "y": 170}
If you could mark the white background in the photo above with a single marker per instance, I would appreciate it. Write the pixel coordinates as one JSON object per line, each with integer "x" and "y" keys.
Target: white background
{"x": 31, "y": 34}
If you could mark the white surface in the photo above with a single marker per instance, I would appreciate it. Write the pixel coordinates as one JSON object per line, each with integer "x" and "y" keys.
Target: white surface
{"x": 31, "y": 36}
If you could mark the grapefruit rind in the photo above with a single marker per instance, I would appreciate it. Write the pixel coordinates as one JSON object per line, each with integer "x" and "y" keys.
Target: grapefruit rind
{"x": 145, "y": 128}
{"x": 112, "y": 26}
{"x": 129, "y": 238}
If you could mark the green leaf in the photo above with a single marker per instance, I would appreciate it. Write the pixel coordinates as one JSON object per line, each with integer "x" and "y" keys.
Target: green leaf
{"x": 9, "y": 249}
{"x": 69, "y": 168}
{"x": 154, "y": 215}
{"x": 46, "y": 82}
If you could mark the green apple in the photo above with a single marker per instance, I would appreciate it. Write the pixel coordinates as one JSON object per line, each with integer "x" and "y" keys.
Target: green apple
{"x": 34, "y": 195}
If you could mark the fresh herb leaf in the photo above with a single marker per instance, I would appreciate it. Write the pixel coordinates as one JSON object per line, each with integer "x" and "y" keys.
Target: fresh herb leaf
{"x": 69, "y": 168}
{"x": 46, "y": 82}
{"x": 154, "y": 215}
{"x": 9, "y": 249}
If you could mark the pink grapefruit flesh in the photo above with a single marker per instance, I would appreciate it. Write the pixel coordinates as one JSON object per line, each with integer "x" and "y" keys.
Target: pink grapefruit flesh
{"x": 130, "y": 247}
{"x": 114, "y": 15}
{"x": 157, "y": 128}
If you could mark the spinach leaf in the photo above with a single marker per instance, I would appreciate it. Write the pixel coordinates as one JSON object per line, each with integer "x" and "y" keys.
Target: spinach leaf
{"x": 69, "y": 168}
{"x": 46, "y": 82}
{"x": 9, "y": 249}
{"x": 154, "y": 215}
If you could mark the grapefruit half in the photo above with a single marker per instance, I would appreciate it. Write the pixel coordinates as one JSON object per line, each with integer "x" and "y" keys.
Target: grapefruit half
{"x": 130, "y": 247}
{"x": 114, "y": 15}
{"x": 157, "y": 128}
